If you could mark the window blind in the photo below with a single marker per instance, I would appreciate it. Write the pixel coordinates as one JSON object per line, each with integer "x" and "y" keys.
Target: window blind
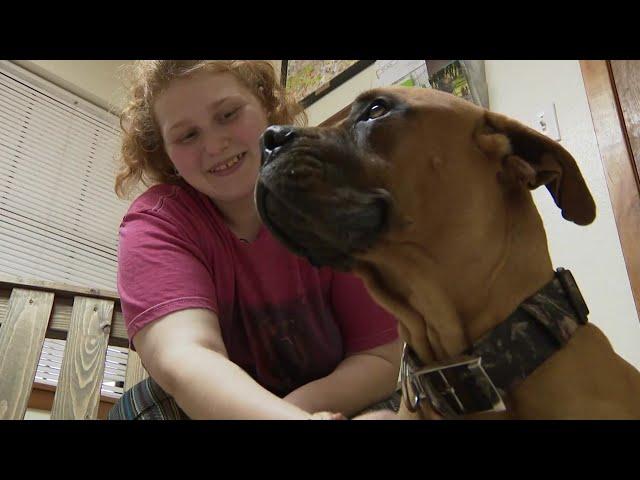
{"x": 115, "y": 369}
{"x": 59, "y": 216}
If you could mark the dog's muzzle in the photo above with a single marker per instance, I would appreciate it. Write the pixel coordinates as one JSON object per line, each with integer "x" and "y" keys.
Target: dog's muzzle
{"x": 307, "y": 197}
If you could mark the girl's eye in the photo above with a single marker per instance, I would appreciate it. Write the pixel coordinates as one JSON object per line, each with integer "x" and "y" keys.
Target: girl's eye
{"x": 188, "y": 137}
{"x": 230, "y": 114}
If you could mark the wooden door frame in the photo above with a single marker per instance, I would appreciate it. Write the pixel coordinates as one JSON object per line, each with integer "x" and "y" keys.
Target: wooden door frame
{"x": 617, "y": 161}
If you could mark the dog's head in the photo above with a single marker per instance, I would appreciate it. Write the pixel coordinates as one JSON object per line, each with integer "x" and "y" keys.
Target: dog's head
{"x": 407, "y": 161}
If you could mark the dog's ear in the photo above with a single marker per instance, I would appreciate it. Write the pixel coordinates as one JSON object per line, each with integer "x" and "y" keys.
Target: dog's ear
{"x": 531, "y": 158}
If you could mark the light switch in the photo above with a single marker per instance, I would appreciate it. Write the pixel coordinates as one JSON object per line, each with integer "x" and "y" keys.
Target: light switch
{"x": 546, "y": 121}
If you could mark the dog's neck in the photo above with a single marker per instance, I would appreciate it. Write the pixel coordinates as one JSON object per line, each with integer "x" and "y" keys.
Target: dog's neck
{"x": 444, "y": 304}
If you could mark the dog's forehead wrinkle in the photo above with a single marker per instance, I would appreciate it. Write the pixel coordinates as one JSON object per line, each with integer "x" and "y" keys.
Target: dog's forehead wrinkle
{"x": 374, "y": 94}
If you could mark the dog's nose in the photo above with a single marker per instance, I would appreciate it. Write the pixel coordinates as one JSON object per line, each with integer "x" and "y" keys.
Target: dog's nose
{"x": 273, "y": 138}
{"x": 276, "y": 136}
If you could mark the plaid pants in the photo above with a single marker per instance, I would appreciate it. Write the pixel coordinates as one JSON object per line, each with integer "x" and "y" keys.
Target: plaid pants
{"x": 147, "y": 401}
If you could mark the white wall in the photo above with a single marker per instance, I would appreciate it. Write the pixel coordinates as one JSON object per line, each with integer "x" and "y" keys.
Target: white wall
{"x": 97, "y": 81}
{"x": 100, "y": 82}
{"x": 342, "y": 96}
{"x": 592, "y": 253}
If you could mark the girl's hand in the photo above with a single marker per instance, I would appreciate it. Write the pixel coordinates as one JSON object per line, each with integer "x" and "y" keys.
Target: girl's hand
{"x": 328, "y": 416}
{"x": 378, "y": 415}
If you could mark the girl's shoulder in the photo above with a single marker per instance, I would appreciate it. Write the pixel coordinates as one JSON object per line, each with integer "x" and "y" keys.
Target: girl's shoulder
{"x": 171, "y": 201}
{"x": 176, "y": 210}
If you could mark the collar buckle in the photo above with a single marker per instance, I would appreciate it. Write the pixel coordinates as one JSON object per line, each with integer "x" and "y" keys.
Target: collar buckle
{"x": 430, "y": 383}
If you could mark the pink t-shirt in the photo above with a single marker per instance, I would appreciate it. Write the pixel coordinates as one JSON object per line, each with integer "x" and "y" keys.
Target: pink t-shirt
{"x": 283, "y": 321}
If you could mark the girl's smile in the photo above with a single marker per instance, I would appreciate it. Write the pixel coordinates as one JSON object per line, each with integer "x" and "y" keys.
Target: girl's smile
{"x": 224, "y": 168}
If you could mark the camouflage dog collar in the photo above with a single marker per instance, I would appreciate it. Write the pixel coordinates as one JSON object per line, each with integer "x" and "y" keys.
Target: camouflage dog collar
{"x": 477, "y": 380}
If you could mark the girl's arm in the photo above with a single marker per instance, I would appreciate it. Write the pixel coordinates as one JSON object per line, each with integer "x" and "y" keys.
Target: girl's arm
{"x": 359, "y": 381}
{"x": 185, "y": 354}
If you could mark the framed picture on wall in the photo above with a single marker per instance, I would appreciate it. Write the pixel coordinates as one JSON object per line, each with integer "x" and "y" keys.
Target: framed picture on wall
{"x": 463, "y": 78}
{"x": 310, "y": 80}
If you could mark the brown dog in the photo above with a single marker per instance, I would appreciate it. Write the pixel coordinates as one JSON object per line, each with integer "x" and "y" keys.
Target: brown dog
{"x": 426, "y": 197}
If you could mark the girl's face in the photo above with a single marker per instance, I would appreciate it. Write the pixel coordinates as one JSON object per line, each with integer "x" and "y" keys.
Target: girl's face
{"x": 210, "y": 126}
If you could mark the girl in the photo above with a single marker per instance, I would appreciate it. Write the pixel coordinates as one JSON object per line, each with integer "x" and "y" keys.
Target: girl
{"x": 228, "y": 323}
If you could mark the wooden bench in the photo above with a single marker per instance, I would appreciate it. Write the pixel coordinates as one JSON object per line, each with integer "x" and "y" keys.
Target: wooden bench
{"x": 89, "y": 320}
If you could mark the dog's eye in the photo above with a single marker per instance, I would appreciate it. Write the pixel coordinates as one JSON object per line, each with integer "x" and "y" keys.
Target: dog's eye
{"x": 377, "y": 110}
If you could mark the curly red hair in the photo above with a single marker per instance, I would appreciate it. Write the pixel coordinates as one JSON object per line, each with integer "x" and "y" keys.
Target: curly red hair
{"x": 142, "y": 157}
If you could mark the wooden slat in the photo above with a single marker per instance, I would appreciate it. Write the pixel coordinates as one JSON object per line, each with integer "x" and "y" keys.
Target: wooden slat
{"x": 21, "y": 339}
{"x": 618, "y": 165}
{"x": 5, "y": 294}
{"x": 12, "y": 280}
{"x": 78, "y": 392}
{"x": 135, "y": 371}
{"x": 42, "y": 399}
{"x": 118, "y": 329}
{"x": 626, "y": 74}
{"x": 61, "y": 317}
